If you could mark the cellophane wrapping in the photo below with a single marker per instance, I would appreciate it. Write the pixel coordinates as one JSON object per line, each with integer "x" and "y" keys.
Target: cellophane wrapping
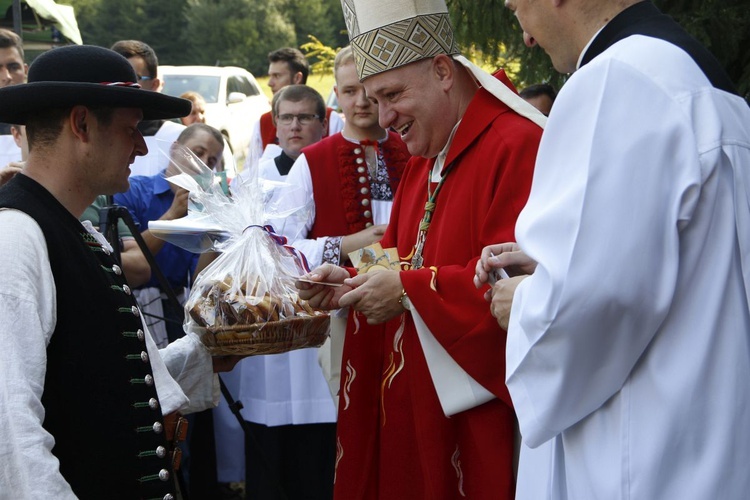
{"x": 245, "y": 301}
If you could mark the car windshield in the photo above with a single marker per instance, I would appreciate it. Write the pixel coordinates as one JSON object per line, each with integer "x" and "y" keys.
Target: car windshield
{"x": 207, "y": 86}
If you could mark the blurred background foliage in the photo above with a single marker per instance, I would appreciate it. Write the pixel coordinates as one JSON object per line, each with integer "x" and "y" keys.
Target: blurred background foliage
{"x": 242, "y": 32}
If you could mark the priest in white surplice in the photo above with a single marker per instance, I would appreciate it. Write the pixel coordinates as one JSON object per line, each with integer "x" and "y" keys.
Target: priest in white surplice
{"x": 628, "y": 355}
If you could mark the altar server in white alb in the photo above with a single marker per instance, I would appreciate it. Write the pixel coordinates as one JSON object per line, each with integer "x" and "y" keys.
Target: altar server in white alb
{"x": 628, "y": 353}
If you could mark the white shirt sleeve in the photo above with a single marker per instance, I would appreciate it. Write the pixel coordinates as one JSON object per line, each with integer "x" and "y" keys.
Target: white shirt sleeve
{"x": 255, "y": 149}
{"x": 603, "y": 219}
{"x": 28, "y": 469}
{"x": 296, "y": 227}
{"x": 190, "y": 365}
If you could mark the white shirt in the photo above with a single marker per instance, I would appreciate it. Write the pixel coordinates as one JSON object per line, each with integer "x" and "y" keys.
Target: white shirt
{"x": 296, "y": 228}
{"x": 278, "y": 389}
{"x": 287, "y": 388}
{"x": 28, "y": 314}
{"x": 628, "y": 355}
{"x": 267, "y": 164}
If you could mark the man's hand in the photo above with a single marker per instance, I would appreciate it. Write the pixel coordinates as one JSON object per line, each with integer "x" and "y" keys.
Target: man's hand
{"x": 361, "y": 239}
{"x": 508, "y": 256}
{"x": 376, "y": 295}
{"x": 10, "y": 171}
{"x": 501, "y": 296}
{"x": 179, "y": 205}
{"x": 324, "y": 296}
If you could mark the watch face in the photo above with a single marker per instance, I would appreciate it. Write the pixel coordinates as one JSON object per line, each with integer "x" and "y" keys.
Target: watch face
{"x": 405, "y": 302}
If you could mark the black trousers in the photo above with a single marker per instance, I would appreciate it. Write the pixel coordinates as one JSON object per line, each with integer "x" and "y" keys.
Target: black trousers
{"x": 291, "y": 462}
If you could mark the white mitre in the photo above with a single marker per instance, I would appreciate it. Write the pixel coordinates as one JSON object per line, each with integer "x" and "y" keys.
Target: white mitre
{"x": 387, "y": 34}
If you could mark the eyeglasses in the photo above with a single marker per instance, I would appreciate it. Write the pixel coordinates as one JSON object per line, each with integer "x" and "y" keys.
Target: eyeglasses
{"x": 303, "y": 118}
{"x": 143, "y": 77}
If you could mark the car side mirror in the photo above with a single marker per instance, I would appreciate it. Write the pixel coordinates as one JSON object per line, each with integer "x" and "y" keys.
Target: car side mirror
{"x": 235, "y": 97}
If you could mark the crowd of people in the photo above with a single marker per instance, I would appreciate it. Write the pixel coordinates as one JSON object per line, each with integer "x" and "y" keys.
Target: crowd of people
{"x": 570, "y": 316}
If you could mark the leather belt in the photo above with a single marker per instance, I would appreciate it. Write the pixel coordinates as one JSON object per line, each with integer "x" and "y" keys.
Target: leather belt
{"x": 175, "y": 430}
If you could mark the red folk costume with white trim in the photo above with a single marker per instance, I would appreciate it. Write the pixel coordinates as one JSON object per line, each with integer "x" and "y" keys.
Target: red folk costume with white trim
{"x": 342, "y": 187}
{"x": 394, "y": 440}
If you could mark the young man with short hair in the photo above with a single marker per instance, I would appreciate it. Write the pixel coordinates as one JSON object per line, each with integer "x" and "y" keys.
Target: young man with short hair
{"x": 85, "y": 392}
{"x": 286, "y": 66}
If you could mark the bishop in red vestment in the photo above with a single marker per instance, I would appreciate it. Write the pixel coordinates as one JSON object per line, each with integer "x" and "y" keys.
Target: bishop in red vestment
{"x": 474, "y": 149}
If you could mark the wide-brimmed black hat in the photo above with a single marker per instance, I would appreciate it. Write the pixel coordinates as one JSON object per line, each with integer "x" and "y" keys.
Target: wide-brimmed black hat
{"x": 84, "y": 75}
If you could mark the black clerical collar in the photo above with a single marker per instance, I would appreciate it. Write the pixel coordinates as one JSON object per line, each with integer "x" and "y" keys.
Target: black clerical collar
{"x": 645, "y": 19}
{"x": 284, "y": 163}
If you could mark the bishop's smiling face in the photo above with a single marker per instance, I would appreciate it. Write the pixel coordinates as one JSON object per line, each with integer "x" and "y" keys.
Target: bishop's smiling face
{"x": 412, "y": 101}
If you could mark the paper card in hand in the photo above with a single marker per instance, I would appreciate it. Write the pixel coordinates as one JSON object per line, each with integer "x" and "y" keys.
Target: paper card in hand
{"x": 374, "y": 258}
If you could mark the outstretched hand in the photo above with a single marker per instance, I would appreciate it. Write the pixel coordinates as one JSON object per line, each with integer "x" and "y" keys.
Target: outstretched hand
{"x": 324, "y": 296}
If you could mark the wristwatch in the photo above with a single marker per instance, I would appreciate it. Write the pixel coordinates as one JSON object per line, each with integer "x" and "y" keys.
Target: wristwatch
{"x": 404, "y": 300}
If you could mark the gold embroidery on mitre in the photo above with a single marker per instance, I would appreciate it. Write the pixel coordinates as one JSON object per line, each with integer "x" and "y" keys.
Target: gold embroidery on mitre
{"x": 350, "y": 17}
{"x": 401, "y": 42}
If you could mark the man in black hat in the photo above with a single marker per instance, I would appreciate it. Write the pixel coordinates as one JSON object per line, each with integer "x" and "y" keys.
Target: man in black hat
{"x": 83, "y": 390}
{"x": 156, "y": 132}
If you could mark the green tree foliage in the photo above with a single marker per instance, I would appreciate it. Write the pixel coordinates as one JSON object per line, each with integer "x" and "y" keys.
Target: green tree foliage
{"x": 491, "y": 33}
{"x": 321, "y": 55}
{"x": 236, "y": 32}
{"x": 225, "y": 32}
{"x": 242, "y": 32}
{"x": 166, "y": 38}
{"x": 103, "y": 22}
{"x": 724, "y": 27}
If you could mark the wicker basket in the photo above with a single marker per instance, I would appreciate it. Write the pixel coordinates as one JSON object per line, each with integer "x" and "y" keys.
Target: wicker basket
{"x": 272, "y": 337}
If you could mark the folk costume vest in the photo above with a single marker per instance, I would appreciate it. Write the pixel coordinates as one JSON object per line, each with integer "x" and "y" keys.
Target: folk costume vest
{"x": 342, "y": 186}
{"x": 99, "y": 397}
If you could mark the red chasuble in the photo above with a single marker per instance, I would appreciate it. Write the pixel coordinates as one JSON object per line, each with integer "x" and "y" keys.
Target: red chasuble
{"x": 394, "y": 441}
